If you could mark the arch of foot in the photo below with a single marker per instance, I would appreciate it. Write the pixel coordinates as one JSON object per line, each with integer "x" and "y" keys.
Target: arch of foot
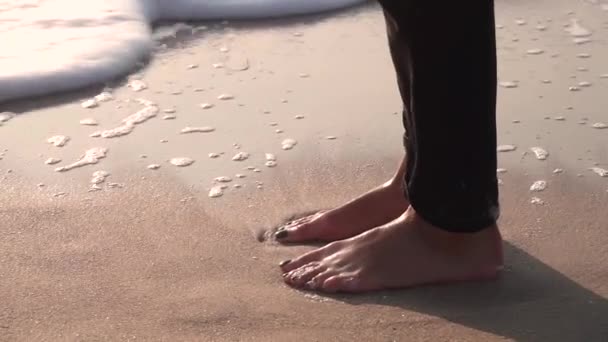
{"x": 59, "y": 45}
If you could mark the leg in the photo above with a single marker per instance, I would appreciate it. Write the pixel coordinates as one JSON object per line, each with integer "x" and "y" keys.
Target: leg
{"x": 376, "y": 207}
{"x": 447, "y": 73}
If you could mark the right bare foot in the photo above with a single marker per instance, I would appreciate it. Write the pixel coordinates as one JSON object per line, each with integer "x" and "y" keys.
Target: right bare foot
{"x": 374, "y": 208}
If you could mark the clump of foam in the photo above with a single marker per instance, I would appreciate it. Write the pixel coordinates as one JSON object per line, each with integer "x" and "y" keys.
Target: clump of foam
{"x": 89, "y": 122}
{"x": 137, "y": 85}
{"x": 599, "y": 171}
{"x": 223, "y": 179}
{"x": 181, "y": 161}
{"x": 203, "y": 129}
{"x": 216, "y": 192}
{"x": 508, "y": 84}
{"x": 105, "y": 96}
{"x": 540, "y": 153}
{"x": 129, "y": 123}
{"x": 288, "y": 144}
{"x": 5, "y": 116}
{"x": 91, "y": 156}
{"x": 52, "y": 161}
{"x": 206, "y": 105}
{"x": 153, "y": 167}
{"x": 225, "y": 97}
{"x": 537, "y": 201}
{"x": 538, "y": 186}
{"x": 506, "y": 148}
{"x": 97, "y": 179}
{"x": 241, "y": 156}
{"x": 535, "y": 51}
{"x": 575, "y": 29}
{"x": 58, "y": 140}
{"x": 90, "y": 103}
{"x": 599, "y": 125}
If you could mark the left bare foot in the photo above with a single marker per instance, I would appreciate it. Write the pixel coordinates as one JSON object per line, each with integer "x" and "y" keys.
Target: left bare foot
{"x": 406, "y": 252}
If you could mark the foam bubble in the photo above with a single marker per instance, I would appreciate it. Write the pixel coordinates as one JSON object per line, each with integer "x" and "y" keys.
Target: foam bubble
{"x": 574, "y": 88}
{"x": 540, "y": 153}
{"x": 506, "y": 148}
{"x": 52, "y": 161}
{"x": 541, "y": 27}
{"x": 559, "y": 118}
{"x": 278, "y": 131}
{"x": 558, "y": 171}
{"x": 203, "y": 129}
{"x": 169, "y": 117}
{"x": 288, "y": 144}
{"x": 89, "y": 122}
{"x": 240, "y": 175}
{"x": 241, "y": 156}
{"x": 299, "y": 117}
{"x": 137, "y": 85}
{"x": 520, "y": 22}
{"x": 191, "y": 66}
{"x": 90, "y": 103}
{"x": 90, "y": 157}
{"x": 599, "y": 171}
{"x": 501, "y": 170}
{"x": 584, "y": 84}
{"x": 169, "y": 110}
{"x": 216, "y": 192}
{"x": 206, "y": 105}
{"x": 535, "y": 51}
{"x": 575, "y": 29}
{"x": 270, "y": 157}
{"x": 99, "y": 177}
{"x": 537, "y": 201}
{"x": 214, "y": 155}
{"x": 271, "y": 163}
{"x": 223, "y": 179}
{"x": 104, "y": 96}
{"x": 129, "y": 122}
{"x": 181, "y": 161}
{"x": 538, "y": 186}
{"x": 5, "y": 116}
{"x": 599, "y": 125}
{"x": 58, "y": 140}
{"x": 508, "y": 84}
{"x": 153, "y": 166}
{"x": 225, "y": 97}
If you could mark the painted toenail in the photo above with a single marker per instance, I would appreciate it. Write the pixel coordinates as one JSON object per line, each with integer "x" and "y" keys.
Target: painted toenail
{"x": 284, "y": 262}
{"x": 281, "y": 234}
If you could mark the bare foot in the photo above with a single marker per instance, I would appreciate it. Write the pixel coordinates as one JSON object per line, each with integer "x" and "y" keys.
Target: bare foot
{"x": 403, "y": 253}
{"x": 372, "y": 209}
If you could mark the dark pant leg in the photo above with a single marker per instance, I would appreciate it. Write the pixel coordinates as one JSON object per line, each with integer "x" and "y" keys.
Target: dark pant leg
{"x": 445, "y": 56}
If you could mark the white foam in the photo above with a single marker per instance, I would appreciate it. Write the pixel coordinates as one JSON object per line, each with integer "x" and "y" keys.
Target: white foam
{"x": 577, "y": 30}
{"x": 288, "y": 144}
{"x": 538, "y": 186}
{"x": 58, "y": 140}
{"x": 506, "y": 148}
{"x": 540, "y": 153}
{"x": 508, "y": 84}
{"x": 203, "y": 129}
{"x": 52, "y": 161}
{"x": 90, "y": 157}
{"x": 53, "y": 49}
{"x": 89, "y": 122}
{"x": 181, "y": 161}
{"x": 216, "y": 192}
{"x": 241, "y": 156}
{"x": 599, "y": 125}
{"x": 599, "y": 171}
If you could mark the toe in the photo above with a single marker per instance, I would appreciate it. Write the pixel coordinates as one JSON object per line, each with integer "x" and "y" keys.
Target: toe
{"x": 312, "y": 256}
{"x": 300, "y": 276}
{"x": 304, "y": 230}
{"x": 317, "y": 281}
{"x": 347, "y": 282}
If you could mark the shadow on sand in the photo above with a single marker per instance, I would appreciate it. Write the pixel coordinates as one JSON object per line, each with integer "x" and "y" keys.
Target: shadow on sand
{"x": 530, "y": 302}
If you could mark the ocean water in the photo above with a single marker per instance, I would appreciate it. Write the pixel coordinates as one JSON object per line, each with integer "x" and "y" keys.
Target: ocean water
{"x": 58, "y": 45}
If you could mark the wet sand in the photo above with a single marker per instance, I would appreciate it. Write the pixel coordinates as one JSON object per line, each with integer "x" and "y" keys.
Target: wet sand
{"x": 151, "y": 256}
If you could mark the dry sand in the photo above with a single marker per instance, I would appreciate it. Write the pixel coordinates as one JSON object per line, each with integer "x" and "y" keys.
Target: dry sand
{"x": 154, "y": 258}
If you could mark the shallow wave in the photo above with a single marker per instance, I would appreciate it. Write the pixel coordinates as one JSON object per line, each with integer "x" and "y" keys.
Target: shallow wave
{"x": 59, "y": 45}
